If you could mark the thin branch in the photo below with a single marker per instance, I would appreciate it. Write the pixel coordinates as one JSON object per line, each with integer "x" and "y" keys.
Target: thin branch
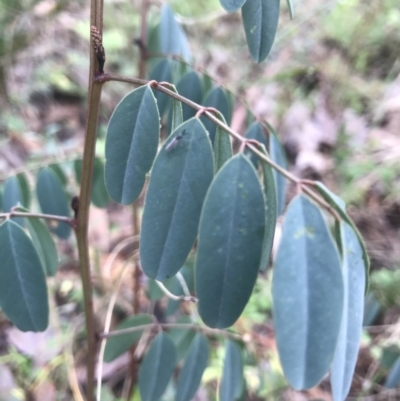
{"x": 183, "y": 284}
{"x": 30, "y": 215}
{"x": 190, "y": 326}
{"x": 170, "y": 295}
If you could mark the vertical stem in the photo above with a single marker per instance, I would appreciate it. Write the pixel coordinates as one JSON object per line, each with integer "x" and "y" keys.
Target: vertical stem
{"x": 94, "y": 95}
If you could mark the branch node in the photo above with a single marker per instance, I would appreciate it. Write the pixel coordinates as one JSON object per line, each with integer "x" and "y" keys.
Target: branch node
{"x": 98, "y": 48}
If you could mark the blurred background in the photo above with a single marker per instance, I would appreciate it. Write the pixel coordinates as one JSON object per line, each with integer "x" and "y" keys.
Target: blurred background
{"x": 331, "y": 89}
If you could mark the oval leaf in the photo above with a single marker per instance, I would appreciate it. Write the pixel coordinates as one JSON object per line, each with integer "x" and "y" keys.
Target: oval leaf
{"x": 44, "y": 245}
{"x": 178, "y": 184}
{"x": 353, "y": 271}
{"x": 157, "y": 368}
{"x": 53, "y": 200}
{"x": 232, "y": 5}
{"x": 23, "y": 291}
{"x": 256, "y": 132}
{"x": 25, "y": 190}
{"x": 232, "y": 376}
{"x": 161, "y": 73}
{"x": 307, "y": 291}
{"x": 172, "y": 38}
{"x": 222, "y": 146}
{"x": 131, "y": 144}
{"x": 260, "y": 21}
{"x": 12, "y": 196}
{"x": 217, "y": 99}
{"x": 278, "y": 156}
{"x": 117, "y": 345}
{"x": 182, "y": 337}
{"x": 270, "y": 213}
{"x": 230, "y": 242}
{"x": 190, "y": 376}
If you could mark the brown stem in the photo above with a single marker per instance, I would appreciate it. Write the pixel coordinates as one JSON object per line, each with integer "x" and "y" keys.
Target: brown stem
{"x": 28, "y": 215}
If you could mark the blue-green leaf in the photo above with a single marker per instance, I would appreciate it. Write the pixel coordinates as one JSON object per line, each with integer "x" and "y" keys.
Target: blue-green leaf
{"x": 232, "y": 375}
{"x": 44, "y": 245}
{"x": 59, "y": 172}
{"x": 231, "y": 233}
{"x": 353, "y": 271}
{"x": 12, "y": 196}
{"x": 270, "y": 212}
{"x": 176, "y": 113}
{"x": 260, "y": 21}
{"x": 53, "y": 200}
{"x": 340, "y": 207}
{"x": 25, "y": 190}
{"x": 117, "y": 345}
{"x": 182, "y": 337}
{"x": 131, "y": 144}
{"x": 256, "y": 132}
{"x": 217, "y": 99}
{"x": 192, "y": 371}
{"x": 307, "y": 291}
{"x": 393, "y": 379}
{"x": 222, "y": 146}
{"x": 23, "y": 291}
{"x": 278, "y": 156}
{"x": 157, "y": 368}
{"x": 178, "y": 184}
{"x": 172, "y": 38}
{"x": 161, "y": 73}
{"x": 232, "y": 5}
{"x": 372, "y": 308}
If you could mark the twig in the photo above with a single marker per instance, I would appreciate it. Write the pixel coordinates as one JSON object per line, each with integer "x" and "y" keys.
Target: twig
{"x": 170, "y": 295}
{"x": 30, "y": 215}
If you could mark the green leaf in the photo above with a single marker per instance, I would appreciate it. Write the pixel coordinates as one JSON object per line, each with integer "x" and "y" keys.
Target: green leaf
{"x": 393, "y": 379}
{"x": 270, "y": 212}
{"x": 176, "y": 113}
{"x": 278, "y": 156}
{"x": 44, "y": 245}
{"x": 232, "y": 375}
{"x": 117, "y": 345}
{"x": 217, "y": 99}
{"x": 308, "y": 292}
{"x": 131, "y": 144}
{"x": 232, "y": 5}
{"x": 12, "y": 196}
{"x": 53, "y": 200}
{"x": 260, "y": 21}
{"x": 59, "y": 173}
{"x": 157, "y": 368}
{"x": 178, "y": 184}
{"x": 172, "y": 38}
{"x": 161, "y": 73}
{"x": 189, "y": 87}
{"x": 340, "y": 207}
{"x": 23, "y": 291}
{"x": 230, "y": 243}
{"x": 353, "y": 271}
{"x": 182, "y": 337}
{"x": 291, "y": 8}
{"x": 256, "y": 132}
{"x": 25, "y": 191}
{"x": 372, "y": 308}
{"x": 100, "y": 196}
{"x": 222, "y": 146}
{"x": 190, "y": 376}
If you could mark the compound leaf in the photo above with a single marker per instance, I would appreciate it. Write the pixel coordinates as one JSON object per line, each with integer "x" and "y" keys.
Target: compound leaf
{"x": 23, "y": 291}
{"x": 231, "y": 233}
{"x": 117, "y": 345}
{"x": 232, "y": 375}
{"x": 53, "y": 200}
{"x": 260, "y": 21}
{"x": 307, "y": 291}
{"x": 182, "y": 172}
{"x": 131, "y": 144}
{"x": 157, "y": 368}
{"x": 353, "y": 271}
{"x": 193, "y": 368}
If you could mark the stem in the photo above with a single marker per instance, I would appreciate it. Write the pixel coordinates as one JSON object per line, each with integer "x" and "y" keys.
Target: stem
{"x": 94, "y": 95}
{"x": 36, "y": 216}
{"x": 174, "y": 297}
{"x": 190, "y": 326}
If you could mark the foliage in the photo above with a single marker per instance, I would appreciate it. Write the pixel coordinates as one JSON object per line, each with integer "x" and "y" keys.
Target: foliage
{"x": 200, "y": 200}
